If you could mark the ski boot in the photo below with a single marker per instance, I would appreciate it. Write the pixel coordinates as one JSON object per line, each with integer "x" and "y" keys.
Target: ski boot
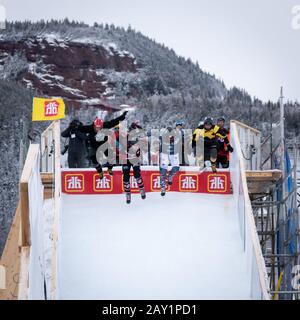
{"x": 143, "y": 193}
{"x": 101, "y": 175}
{"x": 128, "y": 198}
{"x": 110, "y": 171}
{"x": 163, "y": 191}
{"x": 214, "y": 168}
{"x": 170, "y": 178}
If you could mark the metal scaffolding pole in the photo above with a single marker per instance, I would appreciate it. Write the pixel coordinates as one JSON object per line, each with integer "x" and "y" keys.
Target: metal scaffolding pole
{"x": 277, "y": 213}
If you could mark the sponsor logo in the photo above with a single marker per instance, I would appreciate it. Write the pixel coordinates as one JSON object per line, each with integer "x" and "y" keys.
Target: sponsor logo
{"x": 133, "y": 184}
{"x": 155, "y": 182}
{"x": 102, "y": 185}
{"x": 188, "y": 182}
{"x": 51, "y": 108}
{"x": 74, "y": 182}
{"x": 217, "y": 183}
{"x": 296, "y": 278}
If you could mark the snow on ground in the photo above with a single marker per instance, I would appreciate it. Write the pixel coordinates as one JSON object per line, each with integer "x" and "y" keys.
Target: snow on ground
{"x": 183, "y": 246}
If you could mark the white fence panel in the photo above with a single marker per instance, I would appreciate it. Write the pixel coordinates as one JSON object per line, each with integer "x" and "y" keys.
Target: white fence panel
{"x": 250, "y": 142}
{"x": 256, "y": 266}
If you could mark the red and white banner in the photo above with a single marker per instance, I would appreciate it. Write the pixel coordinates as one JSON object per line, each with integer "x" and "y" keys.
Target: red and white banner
{"x": 88, "y": 182}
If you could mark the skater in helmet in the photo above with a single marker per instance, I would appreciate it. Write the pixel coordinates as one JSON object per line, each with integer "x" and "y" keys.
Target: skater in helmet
{"x": 208, "y": 131}
{"x": 170, "y": 149}
{"x": 223, "y": 148}
{"x": 94, "y": 130}
{"x": 133, "y": 156}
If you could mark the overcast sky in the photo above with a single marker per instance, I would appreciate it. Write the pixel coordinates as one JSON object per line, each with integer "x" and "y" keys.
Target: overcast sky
{"x": 248, "y": 43}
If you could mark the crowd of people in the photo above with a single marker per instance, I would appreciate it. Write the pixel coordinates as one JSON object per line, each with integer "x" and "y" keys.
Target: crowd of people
{"x": 108, "y": 143}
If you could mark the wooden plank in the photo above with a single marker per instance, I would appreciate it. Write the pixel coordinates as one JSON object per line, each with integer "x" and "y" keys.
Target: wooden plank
{"x": 261, "y": 182}
{"x": 2, "y": 278}
{"x": 11, "y": 260}
{"x": 48, "y": 193}
{"x": 31, "y": 159}
{"x": 25, "y": 223}
{"x": 275, "y": 174}
{"x": 48, "y": 183}
{"x": 24, "y": 274}
{"x": 47, "y": 178}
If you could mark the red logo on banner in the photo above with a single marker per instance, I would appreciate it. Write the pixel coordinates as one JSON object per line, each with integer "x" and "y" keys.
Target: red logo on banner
{"x": 74, "y": 182}
{"x": 102, "y": 185}
{"x": 188, "y": 182}
{"x": 217, "y": 183}
{"x": 155, "y": 182}
{"x": 51, "y": 108}
{"x": 88, "y": 182}
{"x": 133, "y": 184}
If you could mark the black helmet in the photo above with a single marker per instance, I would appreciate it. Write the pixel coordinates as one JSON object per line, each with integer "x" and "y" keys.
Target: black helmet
{"x": 75, "y": 122}
{"x": 208, "y": 120}
{"x": 179, "y": 123}
{"x": 222, "y": 118}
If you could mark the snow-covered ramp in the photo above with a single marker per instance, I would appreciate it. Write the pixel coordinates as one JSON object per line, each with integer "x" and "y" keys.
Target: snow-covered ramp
{"x": 183, "y": 246}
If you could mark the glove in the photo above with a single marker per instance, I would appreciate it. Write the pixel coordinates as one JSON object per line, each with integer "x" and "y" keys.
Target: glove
{"x": 122, "y": 117}
{"x": 229, "y": 147}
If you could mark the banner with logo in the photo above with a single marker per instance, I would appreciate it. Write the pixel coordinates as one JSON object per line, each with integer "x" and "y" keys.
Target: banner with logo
{"x": 48, "y": 109}
{"x": 88, "y": 182}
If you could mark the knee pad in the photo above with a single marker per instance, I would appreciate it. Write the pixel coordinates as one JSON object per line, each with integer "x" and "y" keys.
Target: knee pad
{"x": 136, "y": 172}
{"x": 126, "y": 186}
{"x": 213, "y": 154}
{"x": 99, "y": 168}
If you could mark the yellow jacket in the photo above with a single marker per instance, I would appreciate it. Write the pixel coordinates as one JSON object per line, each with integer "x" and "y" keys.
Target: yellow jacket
{"x": 208, "y": 135}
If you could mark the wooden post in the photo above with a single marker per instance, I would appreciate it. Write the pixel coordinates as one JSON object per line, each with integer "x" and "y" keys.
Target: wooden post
{"x": 2, "y": 278}
{"x": 25, "y": 224}
{"x": 31, "y": 158}
{"x": 24, "y": 275}
{"x": 10, "y": 260}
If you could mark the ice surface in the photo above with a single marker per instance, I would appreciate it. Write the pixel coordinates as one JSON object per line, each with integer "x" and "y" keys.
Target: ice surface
{"x": 183, "y": 246}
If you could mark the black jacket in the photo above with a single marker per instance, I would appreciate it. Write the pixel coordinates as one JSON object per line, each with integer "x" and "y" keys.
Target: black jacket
{"x": 222, "y": 138}
{"x": 76, "y": 140}
{"x": 89, "y": 129}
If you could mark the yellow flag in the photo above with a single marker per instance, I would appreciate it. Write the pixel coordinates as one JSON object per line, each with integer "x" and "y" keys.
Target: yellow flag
{"x": 48, "y": 109}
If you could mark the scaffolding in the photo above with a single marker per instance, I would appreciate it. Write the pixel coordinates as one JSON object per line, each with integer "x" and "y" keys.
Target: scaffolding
{"x": 276, "y": 212}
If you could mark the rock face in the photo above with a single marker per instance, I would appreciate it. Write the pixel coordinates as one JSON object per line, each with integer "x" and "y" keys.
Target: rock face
{"x": 73, "y": 70}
